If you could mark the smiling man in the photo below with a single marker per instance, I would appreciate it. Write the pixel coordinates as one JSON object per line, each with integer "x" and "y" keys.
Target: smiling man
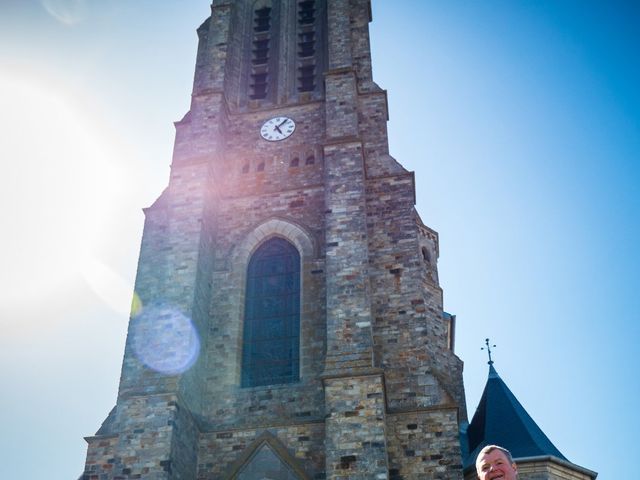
{"x": 496, "y": 462}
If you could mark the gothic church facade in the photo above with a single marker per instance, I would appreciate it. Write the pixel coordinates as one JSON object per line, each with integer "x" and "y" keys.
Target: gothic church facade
{"x": 290, "y": 321}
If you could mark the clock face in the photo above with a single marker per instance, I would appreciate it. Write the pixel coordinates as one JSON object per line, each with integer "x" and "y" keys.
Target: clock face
{"x": 277, "y": 128}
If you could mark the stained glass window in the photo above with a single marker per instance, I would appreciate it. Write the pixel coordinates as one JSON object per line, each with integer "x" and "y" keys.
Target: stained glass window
{"x": 270, "y": 350}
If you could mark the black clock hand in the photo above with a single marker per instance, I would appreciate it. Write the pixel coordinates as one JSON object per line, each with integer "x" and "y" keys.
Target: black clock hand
{"x": 282, "y": 123}
{"x": 277, "y": 127}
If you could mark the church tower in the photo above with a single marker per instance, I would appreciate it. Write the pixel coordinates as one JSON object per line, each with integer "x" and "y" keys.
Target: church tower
{"x": 288, "y": 320}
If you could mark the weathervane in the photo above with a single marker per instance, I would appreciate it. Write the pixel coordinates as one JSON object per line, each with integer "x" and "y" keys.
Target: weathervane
{"x": 488, "y": 347}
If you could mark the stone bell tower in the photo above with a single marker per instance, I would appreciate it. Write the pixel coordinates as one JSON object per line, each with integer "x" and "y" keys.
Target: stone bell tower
{"x": 288, "y": 321}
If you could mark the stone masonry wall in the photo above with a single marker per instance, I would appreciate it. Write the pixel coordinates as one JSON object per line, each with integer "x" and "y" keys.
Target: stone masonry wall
{"x": 100, "y": 457}
{"x": 259, "y": 180}
{"x": 360, "y": 46}
{"x": 349, "y": 341}
{"x": 338, "y": 20}
{"x": 251, "y": 165}
{"x": 424, "y": 445}
{"x": 220, "y": 449}
{"x": 230, "y": 405}
{"x": 356, "y": 439}
{"x": 407, "y": 314}
{"x": 155, "y": 441}
{"x": 184, "y": 445}
{"x": 372, "y": 119}
{"x": 168, "y": 281}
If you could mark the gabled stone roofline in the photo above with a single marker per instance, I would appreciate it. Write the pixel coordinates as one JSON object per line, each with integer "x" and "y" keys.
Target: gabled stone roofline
{"x": 559, "y": 461}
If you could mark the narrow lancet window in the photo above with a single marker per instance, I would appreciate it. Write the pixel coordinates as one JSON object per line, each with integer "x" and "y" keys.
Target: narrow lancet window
{"x": 271, "y": 334}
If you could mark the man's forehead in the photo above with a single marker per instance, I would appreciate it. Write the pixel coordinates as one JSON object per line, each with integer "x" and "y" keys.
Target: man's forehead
{"x": 492, "y": 455}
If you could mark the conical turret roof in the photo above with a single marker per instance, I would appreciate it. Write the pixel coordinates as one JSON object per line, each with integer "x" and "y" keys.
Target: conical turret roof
{"x": 500, "y": 419}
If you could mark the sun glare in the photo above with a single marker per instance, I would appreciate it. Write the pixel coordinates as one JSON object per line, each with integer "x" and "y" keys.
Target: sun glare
{"x": 61, "y": 180}
{"x": 68, "y": 12}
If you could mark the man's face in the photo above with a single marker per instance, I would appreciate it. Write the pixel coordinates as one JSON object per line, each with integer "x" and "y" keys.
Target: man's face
{"x": 495, "y": 465}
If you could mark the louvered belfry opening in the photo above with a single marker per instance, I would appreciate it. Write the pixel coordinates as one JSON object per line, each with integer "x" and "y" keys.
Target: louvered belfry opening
{"x": 306, "y": 46}
{"x": 259, "y": 83}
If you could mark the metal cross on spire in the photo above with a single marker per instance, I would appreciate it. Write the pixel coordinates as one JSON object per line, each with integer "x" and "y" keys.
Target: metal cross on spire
{"x": 488, "y": 347}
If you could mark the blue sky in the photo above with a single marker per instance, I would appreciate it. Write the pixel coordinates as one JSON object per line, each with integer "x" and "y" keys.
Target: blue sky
{"x": 520, "y": 119}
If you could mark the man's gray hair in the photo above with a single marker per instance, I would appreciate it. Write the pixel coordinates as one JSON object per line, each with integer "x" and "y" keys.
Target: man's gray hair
{"x": 491, "y": 448}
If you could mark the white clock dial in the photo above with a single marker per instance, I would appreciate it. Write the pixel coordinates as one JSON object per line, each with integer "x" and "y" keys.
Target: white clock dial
{"x": 277, "y": 128}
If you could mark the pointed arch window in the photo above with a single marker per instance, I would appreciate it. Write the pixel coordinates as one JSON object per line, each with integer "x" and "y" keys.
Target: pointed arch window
{"x": 271, "y": 334}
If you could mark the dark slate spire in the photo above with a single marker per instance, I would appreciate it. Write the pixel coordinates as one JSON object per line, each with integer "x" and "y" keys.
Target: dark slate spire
{"x": 500, "y": 419}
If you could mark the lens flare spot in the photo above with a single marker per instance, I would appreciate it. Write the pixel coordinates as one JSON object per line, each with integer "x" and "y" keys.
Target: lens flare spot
{"x": 164, "y": 339}
{"x": 136, "y": 305}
